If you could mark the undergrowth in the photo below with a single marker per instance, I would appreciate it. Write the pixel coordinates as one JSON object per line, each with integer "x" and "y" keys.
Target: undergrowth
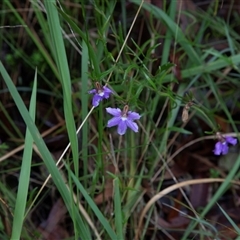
{"x": 164, "y": 165}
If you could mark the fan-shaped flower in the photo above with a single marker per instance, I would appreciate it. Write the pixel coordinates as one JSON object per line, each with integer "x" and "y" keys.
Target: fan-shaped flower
{"x": 123, "y": 119}
{"x": 100, "y": 93}
{"x": 222, "y": 145}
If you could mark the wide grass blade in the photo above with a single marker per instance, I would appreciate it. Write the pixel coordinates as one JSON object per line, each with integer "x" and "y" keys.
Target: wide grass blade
{"x": 25, "y": 172}
{"x": 46, "y": 155}
{"x": 62, "y": 65}
{"x": 58, "y": 50}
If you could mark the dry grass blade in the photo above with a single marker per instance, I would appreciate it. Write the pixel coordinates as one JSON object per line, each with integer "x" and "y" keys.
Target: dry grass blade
{"x": 18, "y": 149}
{"x": 170, "y": 189}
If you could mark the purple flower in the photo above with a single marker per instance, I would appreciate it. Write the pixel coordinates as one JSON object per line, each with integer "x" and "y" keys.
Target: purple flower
{"x": 123, "y": 119}
{"x": 222, "y": 145}
{"x": 100, "y": 93}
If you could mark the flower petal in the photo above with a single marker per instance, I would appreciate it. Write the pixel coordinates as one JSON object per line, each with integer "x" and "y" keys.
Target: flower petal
{"x": 116, "y": 112}
{"x": 96, "y": 99}
{"x": 114, "y": 121}
{"x": 92, "y": 91}
{"x": 107, "y": 90}
{"x": 122, "y": 127}
{"x": 231, "y": 140}
{"x": 132, "y": 125}
{"x": 224, "y": 148}
{"x": 218, "y": 148}
{"x": 106, "y": 95}
{"x": 133, "y": 115}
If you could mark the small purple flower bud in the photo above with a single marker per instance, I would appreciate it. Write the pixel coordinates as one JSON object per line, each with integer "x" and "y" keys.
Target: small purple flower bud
{"x": 100, "y": 93}
{"x": 123, "y": 119}
{"x": 222, "y": 145}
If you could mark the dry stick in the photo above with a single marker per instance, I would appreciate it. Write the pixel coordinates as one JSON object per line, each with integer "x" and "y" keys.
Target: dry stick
{"x": 172, "y": 188}
{"x": 84, "y": 213}
{"x": 209, "y": 164}
{"x": 179, "y": 150}
{"x": 119, "y": 147}
{"x": 18, "y": 149}
{"x": 113, "y": 157}
{"x": 125, "y": 41}
{"x": 59, "y": 160}
{"x": 15, "y": 26}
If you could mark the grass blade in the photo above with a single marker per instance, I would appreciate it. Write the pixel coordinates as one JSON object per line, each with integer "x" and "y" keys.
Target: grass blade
{"x": 46, "y": 155}
{"x": 118, "y": 209}
{"x": 235, "y": 226}
{"x": 25, "y": 172}
{"x": 94, "y": 207}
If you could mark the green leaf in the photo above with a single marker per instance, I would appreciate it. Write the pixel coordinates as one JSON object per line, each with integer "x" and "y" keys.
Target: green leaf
{"x": 24, "y": 178}
{"x": 44, "y": 152}
{"x": 180, "y": 130}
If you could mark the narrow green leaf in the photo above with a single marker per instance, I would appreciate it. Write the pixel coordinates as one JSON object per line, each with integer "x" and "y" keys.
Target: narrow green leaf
{"x": 180, "y": 130}
{"x": 25, "y": 172}
{"x": 118, "y": 209}
{"x": 235, "y": 226}
{"x": 94, "y": 207}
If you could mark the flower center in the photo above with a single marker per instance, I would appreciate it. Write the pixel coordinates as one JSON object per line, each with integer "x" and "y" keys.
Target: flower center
{"x": 125, "y": 112}
{"x": 124, "y": 117}
{"x": 100, "y": 92}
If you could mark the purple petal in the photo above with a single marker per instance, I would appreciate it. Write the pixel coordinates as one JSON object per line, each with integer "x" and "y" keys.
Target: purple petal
{"x": 224, "y": 148}
{"x": 106, "y": 95}
{"x": 114, "y": 121}
{"x": 133, "y": 115}
{"x": 116, "y": 112}
{"x": 92, "y": 91}
{"x": 132, "y": 125}
{"x": 231, "y": 140}
{"x": 107, "y": 90}
{"x": 218, "y": 148}
{"x": 96, "y": 99}
{"x": 122, "y": 127}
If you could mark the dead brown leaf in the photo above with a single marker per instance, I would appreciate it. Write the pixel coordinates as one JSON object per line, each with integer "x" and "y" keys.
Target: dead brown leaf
{"x": 51, "y": 228}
